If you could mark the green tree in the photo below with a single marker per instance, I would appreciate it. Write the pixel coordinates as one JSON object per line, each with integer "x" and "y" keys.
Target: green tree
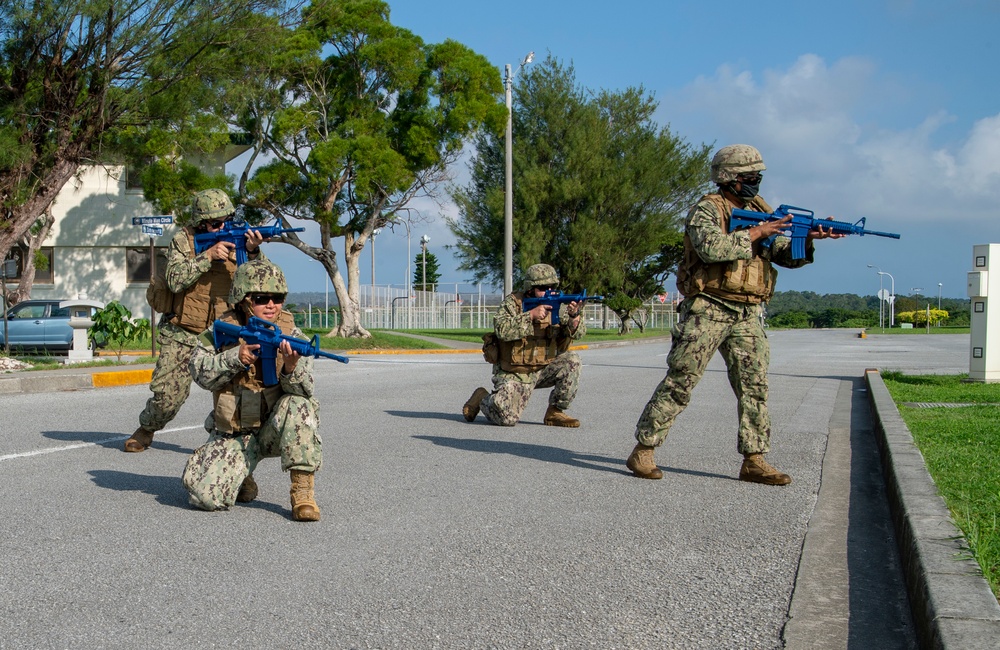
{"x": 78, "y": 78}
{"x": 600, "y": 191}
{"x": 358, "y": 117}
{"x": 431, "y": 272}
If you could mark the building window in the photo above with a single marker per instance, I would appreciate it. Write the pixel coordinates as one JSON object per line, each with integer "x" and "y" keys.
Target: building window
{"x": 42, "y": 275}
{"x": 137, "y": 263}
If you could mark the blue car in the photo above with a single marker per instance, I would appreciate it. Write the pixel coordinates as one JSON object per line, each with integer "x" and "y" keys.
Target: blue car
{"x": 38, "y": 325}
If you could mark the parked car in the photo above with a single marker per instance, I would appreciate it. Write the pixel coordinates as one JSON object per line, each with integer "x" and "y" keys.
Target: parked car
{"x": 38, "y": 325}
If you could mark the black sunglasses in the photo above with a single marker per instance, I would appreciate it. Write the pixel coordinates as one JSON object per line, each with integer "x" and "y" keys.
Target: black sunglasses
{"x": 749, "y": 178}
{"x": 261, "y": 299}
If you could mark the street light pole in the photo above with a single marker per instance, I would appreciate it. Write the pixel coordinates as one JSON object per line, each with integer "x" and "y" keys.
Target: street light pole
{"x": 508, "y": 195}
{"x": 423, "y": 283}
{"x": 374, "y": 235}
{"x": 939, "y": 296}
{"x": 881, "y": 320}
{"x": 892, "y": 300}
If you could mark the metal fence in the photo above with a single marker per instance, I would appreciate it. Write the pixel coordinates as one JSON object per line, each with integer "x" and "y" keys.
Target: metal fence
{"x": 388, "y": 307}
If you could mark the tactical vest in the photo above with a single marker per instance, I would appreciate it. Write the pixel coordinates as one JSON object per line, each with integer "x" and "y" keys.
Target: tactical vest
{"x": 537, "y": 350}
{"x": 244, "y": 404}
{"x": 199, "y": 305}
{"x": 749, "y": 281}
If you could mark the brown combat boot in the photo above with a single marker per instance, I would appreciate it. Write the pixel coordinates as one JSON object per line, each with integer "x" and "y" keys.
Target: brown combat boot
{"x": 139, "y": 441}
{"x": 471, "y": 408}
{"x": 304, "y": 506}
{"x": 248, "y": 490}
{"x": 757, "y": 470}
{"x": 642, "y": 463}
{"x": 556, "y": 418}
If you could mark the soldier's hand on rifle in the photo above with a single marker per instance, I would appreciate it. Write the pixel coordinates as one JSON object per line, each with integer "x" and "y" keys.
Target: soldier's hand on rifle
{"x": 573, "y": 309}
{"x": 254, "y": 239}
{"x": 825, "y": 234}
{"x": 221, "y": 250}
{"x": 248, "y": 353}
{"x": 767, "y": 229}
{"x": 539, "y": 313}
{"x": 289, "y": 357}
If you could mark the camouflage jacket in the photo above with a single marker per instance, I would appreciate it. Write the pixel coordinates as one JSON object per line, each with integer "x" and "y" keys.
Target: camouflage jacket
{"x": 713, "y": 244}
{"x": 510, "y": 323}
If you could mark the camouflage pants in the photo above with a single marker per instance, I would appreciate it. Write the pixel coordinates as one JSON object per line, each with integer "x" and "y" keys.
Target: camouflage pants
{"x": 704, "y": 328}
{"x": 511, "y": 390}
{"x": 171, "y": 382}
{"x": 215, "y": 471}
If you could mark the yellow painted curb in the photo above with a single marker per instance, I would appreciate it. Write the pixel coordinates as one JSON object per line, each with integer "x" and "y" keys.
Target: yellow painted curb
{"x": 122, "y": 378}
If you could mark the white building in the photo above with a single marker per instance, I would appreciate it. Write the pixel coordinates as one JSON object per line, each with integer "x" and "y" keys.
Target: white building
{"x": 93, "y": 249}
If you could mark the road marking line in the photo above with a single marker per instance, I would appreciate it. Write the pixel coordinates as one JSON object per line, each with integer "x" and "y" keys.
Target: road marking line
{"x": 53, "y": 450}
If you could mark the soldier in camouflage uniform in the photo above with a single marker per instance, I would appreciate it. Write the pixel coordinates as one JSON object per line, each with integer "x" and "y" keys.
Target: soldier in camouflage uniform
{"x": 725, "y": 277}
{"x": 198, "y": 286}
{"x": 531, "y": 353}
{"x": 253, "y": 421}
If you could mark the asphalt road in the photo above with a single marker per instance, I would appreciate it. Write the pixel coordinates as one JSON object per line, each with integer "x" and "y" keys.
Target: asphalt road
{"x": 437, "y": 533}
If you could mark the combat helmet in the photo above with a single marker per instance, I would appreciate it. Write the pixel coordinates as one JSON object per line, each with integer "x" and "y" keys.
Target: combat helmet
{"x": 540, "y": 275}
{"x": 211, "y": 204}
{"x": 256, "y": 276}
{"x": 735, "y": 159}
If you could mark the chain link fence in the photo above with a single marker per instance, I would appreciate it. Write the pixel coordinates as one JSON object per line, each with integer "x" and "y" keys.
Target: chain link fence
{"x": 387, "y": 307}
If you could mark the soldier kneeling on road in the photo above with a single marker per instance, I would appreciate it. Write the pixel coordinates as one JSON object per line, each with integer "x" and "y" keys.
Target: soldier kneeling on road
{"x": 253, "y": 421}
{"x": 528, "y": 351}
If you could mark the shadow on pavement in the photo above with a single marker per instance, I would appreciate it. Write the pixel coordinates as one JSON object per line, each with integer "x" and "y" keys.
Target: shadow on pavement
{"x": 168, "y": 490}
{"x": 550, "y": 454}
{"x": 111, "y": 440}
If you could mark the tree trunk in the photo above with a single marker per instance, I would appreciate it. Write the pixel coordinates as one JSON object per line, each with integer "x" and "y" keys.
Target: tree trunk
{"x": 625, "y": 326}
{"x": 639, "y": 316}
{"x": 17, "y": 220}
{"x": 34, "y": 242}
{"x": 350, "y": 296}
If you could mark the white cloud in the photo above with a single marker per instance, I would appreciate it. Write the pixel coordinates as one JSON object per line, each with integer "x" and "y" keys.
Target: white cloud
{"x": 814, "y": 123}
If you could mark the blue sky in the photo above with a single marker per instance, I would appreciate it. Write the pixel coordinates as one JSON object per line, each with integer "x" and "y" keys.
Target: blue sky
{"x": 885, "y": 109}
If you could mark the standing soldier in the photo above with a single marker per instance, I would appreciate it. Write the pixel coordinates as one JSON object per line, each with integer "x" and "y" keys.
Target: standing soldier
{"x": 254, "y": 421}
{"x": 528, "y": 352}
{"x": 194, "y": 296}
{"x": 725, "y": 277}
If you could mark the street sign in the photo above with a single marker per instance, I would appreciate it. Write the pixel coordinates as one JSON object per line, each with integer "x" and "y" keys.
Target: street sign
{"x": 152, "y": 231}
{"x": 883, "y": 294}
{"x": 149, "y": 221}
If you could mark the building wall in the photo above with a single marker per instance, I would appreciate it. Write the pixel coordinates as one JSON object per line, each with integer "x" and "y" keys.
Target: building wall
{"x": 91, "y": 238}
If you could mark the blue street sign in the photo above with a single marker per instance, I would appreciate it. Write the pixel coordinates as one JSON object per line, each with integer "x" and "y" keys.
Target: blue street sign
{"x": 152, "y": 231}
{"x": 148, "y": 221}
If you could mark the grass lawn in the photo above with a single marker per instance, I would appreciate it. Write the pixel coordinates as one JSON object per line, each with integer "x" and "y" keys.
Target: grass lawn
{"x": 961, "y": 446}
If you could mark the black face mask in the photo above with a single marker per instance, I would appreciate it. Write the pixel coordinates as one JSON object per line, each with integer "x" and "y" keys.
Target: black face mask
{"x": 747, "y": 190}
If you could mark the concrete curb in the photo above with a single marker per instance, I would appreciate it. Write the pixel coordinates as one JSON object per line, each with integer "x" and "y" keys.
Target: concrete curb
{"x": 952, "y": 604}
{"x": 121, "y": 378}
